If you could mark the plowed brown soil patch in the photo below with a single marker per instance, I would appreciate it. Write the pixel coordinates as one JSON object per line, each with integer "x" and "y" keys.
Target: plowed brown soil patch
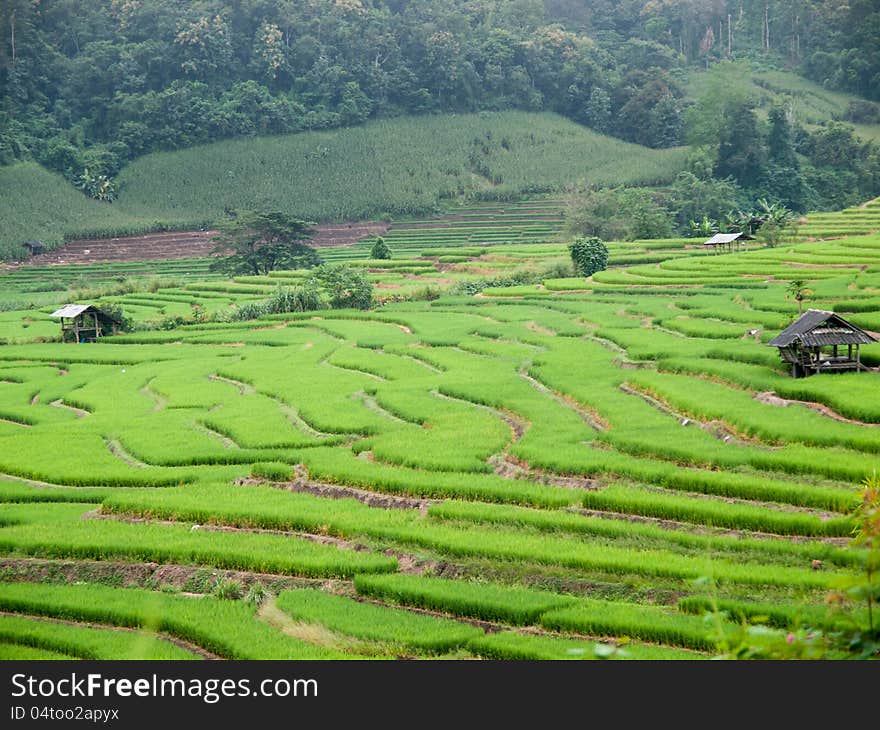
{"x": 183, "y": 245}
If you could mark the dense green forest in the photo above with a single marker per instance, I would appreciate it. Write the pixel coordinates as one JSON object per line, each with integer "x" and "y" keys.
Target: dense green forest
{"x": 88, "y": 86}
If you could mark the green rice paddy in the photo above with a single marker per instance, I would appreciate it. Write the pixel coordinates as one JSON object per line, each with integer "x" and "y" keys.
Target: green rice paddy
{"x": 552, "y": 469}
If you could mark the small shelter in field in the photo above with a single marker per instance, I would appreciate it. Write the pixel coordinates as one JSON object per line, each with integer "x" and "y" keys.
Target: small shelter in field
{"x": 728, "y": 241}
{"x": 813, "y": 344}
{"x": 34, "y": 247}
{"x": 85, "y": 323}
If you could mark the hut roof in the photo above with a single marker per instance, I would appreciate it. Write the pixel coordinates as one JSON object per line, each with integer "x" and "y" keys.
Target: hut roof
{"x": 74, "y": 310}
{"x": 817, "y": 328}
{"x": 722, "y": 238}
{"x": 71, "y": 310}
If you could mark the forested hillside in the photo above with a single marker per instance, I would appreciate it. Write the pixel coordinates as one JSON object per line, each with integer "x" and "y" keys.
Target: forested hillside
{"x": 87, "y": 87}
{"x": 94, "y": 84}
{"x": 383, "y": 169}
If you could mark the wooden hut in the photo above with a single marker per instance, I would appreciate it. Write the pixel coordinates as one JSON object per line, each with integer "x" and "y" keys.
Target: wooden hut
{"x": 85, "y": 323}
{"x": 729, "y": 241}
{"x": 34, "y": 247}
{"x": 813, "y": 344}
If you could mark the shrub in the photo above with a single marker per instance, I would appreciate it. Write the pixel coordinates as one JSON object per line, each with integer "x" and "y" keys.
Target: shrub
{"x": 345, "y": 285}
{"x": 256, "y": 595}
{"x": 588, "y": 255}
{"x": 380, "y": 249}
{"x": 227, "y": 589}
{"x": 284, "y": 300}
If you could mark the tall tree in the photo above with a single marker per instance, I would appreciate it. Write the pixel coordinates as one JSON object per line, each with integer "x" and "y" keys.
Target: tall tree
{"x": 783, "y": 180}
{"x": 256, "y": 243}
{"x": 740, "y": 151}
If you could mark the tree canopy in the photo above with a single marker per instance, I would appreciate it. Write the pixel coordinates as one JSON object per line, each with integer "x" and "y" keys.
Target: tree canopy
{"x": 86, "y": 86}
{"x": 252, "y": 242}
{"x": 94, "y": 84}
{"x": 588, "y": 255}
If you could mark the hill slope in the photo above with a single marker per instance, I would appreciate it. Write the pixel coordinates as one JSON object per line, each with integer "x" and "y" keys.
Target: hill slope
{"x": 402, "y": 166}
{"x": 810, "y": 103}
{"x": 42, "y": 205}
{"x": 398, "y": 167}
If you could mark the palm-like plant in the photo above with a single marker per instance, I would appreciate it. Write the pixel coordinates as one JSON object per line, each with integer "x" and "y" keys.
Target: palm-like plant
{"x": 705, "y": 227}
{"x": 775, "y": 213}
{"x": 798, "y": 290}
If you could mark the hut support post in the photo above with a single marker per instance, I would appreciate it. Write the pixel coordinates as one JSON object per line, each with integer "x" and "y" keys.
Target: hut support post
{"x": 858, "y": 358}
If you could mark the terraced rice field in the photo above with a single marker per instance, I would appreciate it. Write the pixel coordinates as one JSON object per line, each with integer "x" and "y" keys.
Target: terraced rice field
{"x": 569, "y": 469}
{"x": 857, "y": 220}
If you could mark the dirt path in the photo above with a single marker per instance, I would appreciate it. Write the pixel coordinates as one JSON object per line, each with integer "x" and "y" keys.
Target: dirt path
{"x": 118, "y": 450}
{"x": 587, "y": 415}
{"x": 301, "y": 483}
{"x": 243, "y": 388}
{"x": 314, "y": 634}
{"x": 722, "y": 431}
{"x": 227, "y": 442}
{"x": 698, "y": 529}
{"x": 159, "y": 400}
{"x": 80, "y": 412}
{"x": 771, "y": 399}
{"x": 371, "y": 404}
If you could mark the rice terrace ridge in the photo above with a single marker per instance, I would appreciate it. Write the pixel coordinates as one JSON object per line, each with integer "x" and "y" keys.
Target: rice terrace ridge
{"x": 450, "y": 330}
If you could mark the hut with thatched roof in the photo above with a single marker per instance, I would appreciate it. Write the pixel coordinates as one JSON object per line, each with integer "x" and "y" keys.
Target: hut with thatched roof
{"x": 813, "y": 344}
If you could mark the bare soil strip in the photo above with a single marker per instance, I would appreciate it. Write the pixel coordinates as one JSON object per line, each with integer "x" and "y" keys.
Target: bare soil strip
{"x": 227, "y": 442}
{"x": 159, "y": 400}
{"x": 720, "y": 430}
{"x": 243, "y": 388}
{"x": 424, "y": 363}
{"x": 587, "y": 415}
{"x": 371, "y": 404}
{"x": 34, "y": 482}
{"x": 80, "y": 413}
{"x": 772, "y": 399}
{"x": 15, "y": 423}
{"x": 538, "y": 329}
{"x": 118, "y": 450}
{"x": 210, "y": 527}
{"x": 510, "y": 468}
{"x": 517, "y": 424}
{"x": 184, "y": 245}
{"x": 305, "y": 485}
{"x": 314, "y": 634}
{"x": 672, "y": 525}
{"x": 352, "y": 369}
{"x": 775, "y": 506}
{"x": 298, "y": 422}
